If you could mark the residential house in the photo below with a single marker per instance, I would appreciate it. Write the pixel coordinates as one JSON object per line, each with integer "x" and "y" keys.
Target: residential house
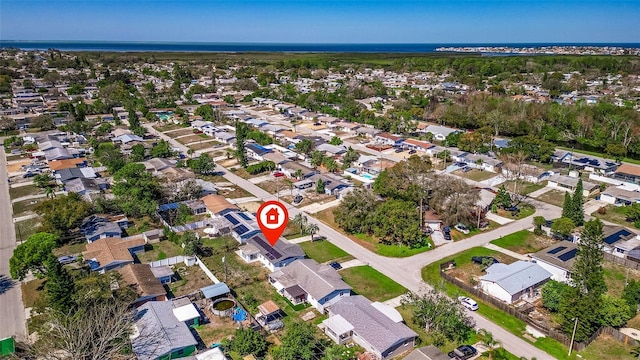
{"x": 568, "y": 183}
{"x": 307, "y": 281}
{"x": 368, "y": 132}
{"x": 225, "y": 137}
{"x": 290, "y": 169}
{"x": 440, "y": 133}
{"x": 620, "y": 196}
{"x": 112, "y": 253}
{"x": 276, "y": 157}
{"x": 289, "y": 136}
{"x": 628, "y": 173}
{"x": 483, "y": 162}
{"x": 346, "y": 126}
{"x": 558, "y": 260}
{"x": 58, "y": 165}
{"x": 218, "y": 204}
{"x": 511, "y": 282}
{"x": 61, "y": 154}
{"x": 142, "y": 280}
{"x": 159, "y": 334}
{"x": 97, "y": 227}
{"x": 256, "y": 151}
{"x": 127, "y": 138}
{"x": 331, "y": 150}
{"x": 274, "y": 257}
{"x": 389, "y": 139}
{"x": 413, "y": 144}
{"x": 157, "y": 165}
{"x": 377, "y": 327}
{"x": 427, "y": 353}
{"x": 618, "y": 240}
{"x": 243, "y": 225}
{"x": 432, "y": 220}
{"x": 86, "y": 187}
{"x": 583, "y": 162}
{"x": 65, "y": 175}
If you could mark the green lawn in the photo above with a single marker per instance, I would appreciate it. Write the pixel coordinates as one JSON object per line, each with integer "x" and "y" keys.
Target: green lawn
{"x": 553, "y": 197}
{"x": 614, "y": 214}
{"x": 324, "y": 251}
{"x": 524, "y": 242}
{"x": 20, "y": 191}
{"x": 430, "y": 274}
{"x": 370, "y": 283}
{"x": 162, "y": 250}
{"x": 26, "y": 206}
{"x": 475, "y": 174}
{"x": 26, "y": 228}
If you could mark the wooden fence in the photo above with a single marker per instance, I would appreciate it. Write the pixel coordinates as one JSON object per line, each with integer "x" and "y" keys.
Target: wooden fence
{"x": 627, "y": 263}
{"x": 522, "y": 313}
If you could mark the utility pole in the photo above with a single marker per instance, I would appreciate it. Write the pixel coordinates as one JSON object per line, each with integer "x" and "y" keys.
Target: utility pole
{"x": 575, "y": 326}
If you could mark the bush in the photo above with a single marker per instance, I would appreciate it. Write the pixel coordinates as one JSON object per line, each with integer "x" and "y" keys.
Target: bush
{"x": 261, "y": 167}
{"x": 602, "y": 210}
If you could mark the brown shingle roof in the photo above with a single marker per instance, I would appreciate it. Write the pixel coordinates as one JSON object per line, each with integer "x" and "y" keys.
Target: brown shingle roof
{"x": 217, "y": 203}
{"x": 141, "y": 278}
{"x": 629, "y": 169}
{"x": 108, "y": 250}
{"x": 65, "y": 164}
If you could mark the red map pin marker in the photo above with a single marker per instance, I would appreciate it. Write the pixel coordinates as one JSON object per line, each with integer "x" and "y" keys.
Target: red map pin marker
{"x": 272, "y": 218}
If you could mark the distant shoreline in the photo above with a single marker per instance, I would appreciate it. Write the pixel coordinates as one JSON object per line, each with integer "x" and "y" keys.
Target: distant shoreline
{"x": 115, "y": 46}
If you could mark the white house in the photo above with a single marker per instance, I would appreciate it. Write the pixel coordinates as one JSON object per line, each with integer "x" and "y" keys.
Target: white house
{"x": 510, "y": 282}
{"x": 307, "y": 281}
{"x": 568, "y": 183}
{"x": 558, "y": 260}
{"x": 274, "y": 257}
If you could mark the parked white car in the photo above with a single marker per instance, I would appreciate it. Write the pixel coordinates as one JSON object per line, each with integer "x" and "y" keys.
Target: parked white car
{"x": 462, "y": 228}
{"x": 468, "y": 303}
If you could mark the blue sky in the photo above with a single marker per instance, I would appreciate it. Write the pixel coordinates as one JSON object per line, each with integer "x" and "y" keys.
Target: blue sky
{"x": 323, "y": 21}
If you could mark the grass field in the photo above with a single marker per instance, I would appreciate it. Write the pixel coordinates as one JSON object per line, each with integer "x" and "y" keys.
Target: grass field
{"x": 25, "y": 207}
{"x": 370, "y": 283}
{"x": 189, "y": 139}
{"x": 324, "y": 251}
{"x": 524, "y": 242}
{"x": 26, "y": 228}
{"x": 162, "y": 250}
{"x": 369, "y": 242}
{"x": 32, "y": 291}
{"x": 475, "y": 174}
{"x": 553, "y": 197}
{"x": 20, "y": 191}
{"x": 523, "y": 187}
{"x": 614, "y": 214}
{"x": 210, "y": 144}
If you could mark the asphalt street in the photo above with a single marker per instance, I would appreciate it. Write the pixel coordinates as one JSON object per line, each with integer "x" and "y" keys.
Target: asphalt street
{"x": 12, "y": 319}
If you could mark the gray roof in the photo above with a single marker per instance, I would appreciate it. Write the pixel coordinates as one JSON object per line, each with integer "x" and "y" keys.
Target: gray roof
{"x": 437, "y": 129}
{"x": 331, "y": 148}
{"x": 427, "y": 353}
{"x": 317, "y": 280}
{"x": 555, "y": 254}
{"x": 160, "y": 331}
{"x": 370, "y": 324}
{"x": 212, "y": 291}
{"x": 282, "y": 250}
{"x": 572, "y": 181}
{"x": 623, "y": 194}
{"x": 516, "y": 277}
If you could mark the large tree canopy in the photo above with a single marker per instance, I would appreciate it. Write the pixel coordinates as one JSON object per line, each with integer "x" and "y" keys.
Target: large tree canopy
{"x": 63, "y": 213}
{"x": 136, "y": 191}
{"x": 32, "y": 255}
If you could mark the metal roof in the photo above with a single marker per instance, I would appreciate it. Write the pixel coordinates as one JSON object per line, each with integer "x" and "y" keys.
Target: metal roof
{"x": 215, "y": 290}
{"x": 517, "y": 276}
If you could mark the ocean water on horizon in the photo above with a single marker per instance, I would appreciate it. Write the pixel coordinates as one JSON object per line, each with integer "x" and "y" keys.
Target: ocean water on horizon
{"x": 122, "y": 46}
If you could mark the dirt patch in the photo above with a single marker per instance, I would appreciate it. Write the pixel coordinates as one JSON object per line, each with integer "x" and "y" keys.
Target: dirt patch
{"x": 251, "y": 206}
{"x": 17, "y": 165}
{"x": 228, "y": 162}
{"x": 192, "y": 279}
{"x": 176, "y": 133}
{"x": 309, "y": 197}
{"x": 216, "y": 330}
{"x": 196, "y": 138}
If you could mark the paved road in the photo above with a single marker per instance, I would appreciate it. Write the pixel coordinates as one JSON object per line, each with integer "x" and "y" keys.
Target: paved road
{"x": 12, "y": 319}
{"x": 407, "y": 271}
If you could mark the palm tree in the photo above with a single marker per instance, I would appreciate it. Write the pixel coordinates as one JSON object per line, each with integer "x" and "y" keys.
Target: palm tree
{"x": 49, "y": 192}
{"x": 487, "y": 339}
{"x": 298, "y": 174}
{"x": 301, "y": 221}
{"x": 312, "y": 229}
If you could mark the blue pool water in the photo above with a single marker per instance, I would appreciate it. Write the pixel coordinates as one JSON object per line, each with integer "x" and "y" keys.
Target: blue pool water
{"x": 367, "y": 176}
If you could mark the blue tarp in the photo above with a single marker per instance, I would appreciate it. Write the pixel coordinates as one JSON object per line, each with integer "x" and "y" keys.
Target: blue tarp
{"x": 239, "y": 315}
{"x": 215, "y": 290}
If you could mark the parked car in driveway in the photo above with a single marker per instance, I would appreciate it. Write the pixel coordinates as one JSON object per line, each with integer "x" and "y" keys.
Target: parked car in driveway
{"x": 463, "y": 352}
{"x": 466, "y": 169}
{"x": 469, "y": 303}
{"x": 411, "y": 152}
{"x": 462, "y": 228}
{"x": 68, "y": 259}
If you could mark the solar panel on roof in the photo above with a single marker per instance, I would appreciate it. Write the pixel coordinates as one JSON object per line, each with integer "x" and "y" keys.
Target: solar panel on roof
{"x": 568, "y": 255}
{"x": 617, "y": 236}
{"x": 240, "y": 229}
{"x": 231, "y": 219}
{"x": 272, "y": 253}
{"x": 244, "y": 216}
{"x": 556, "y": 250}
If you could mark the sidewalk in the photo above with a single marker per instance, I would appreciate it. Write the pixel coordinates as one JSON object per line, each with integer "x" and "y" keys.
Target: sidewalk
{"x": 314, "y": 208}
{"x": 513, "y": 254}
{"x": 25, "y": 217}
{"x": 539, "y": 192}
{"x": 499, "y": 219}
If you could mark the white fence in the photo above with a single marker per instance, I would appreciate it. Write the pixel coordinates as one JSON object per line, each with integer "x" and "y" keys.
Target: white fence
{"x": 207, "y": 271}
{"x": 169, "y": 261}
